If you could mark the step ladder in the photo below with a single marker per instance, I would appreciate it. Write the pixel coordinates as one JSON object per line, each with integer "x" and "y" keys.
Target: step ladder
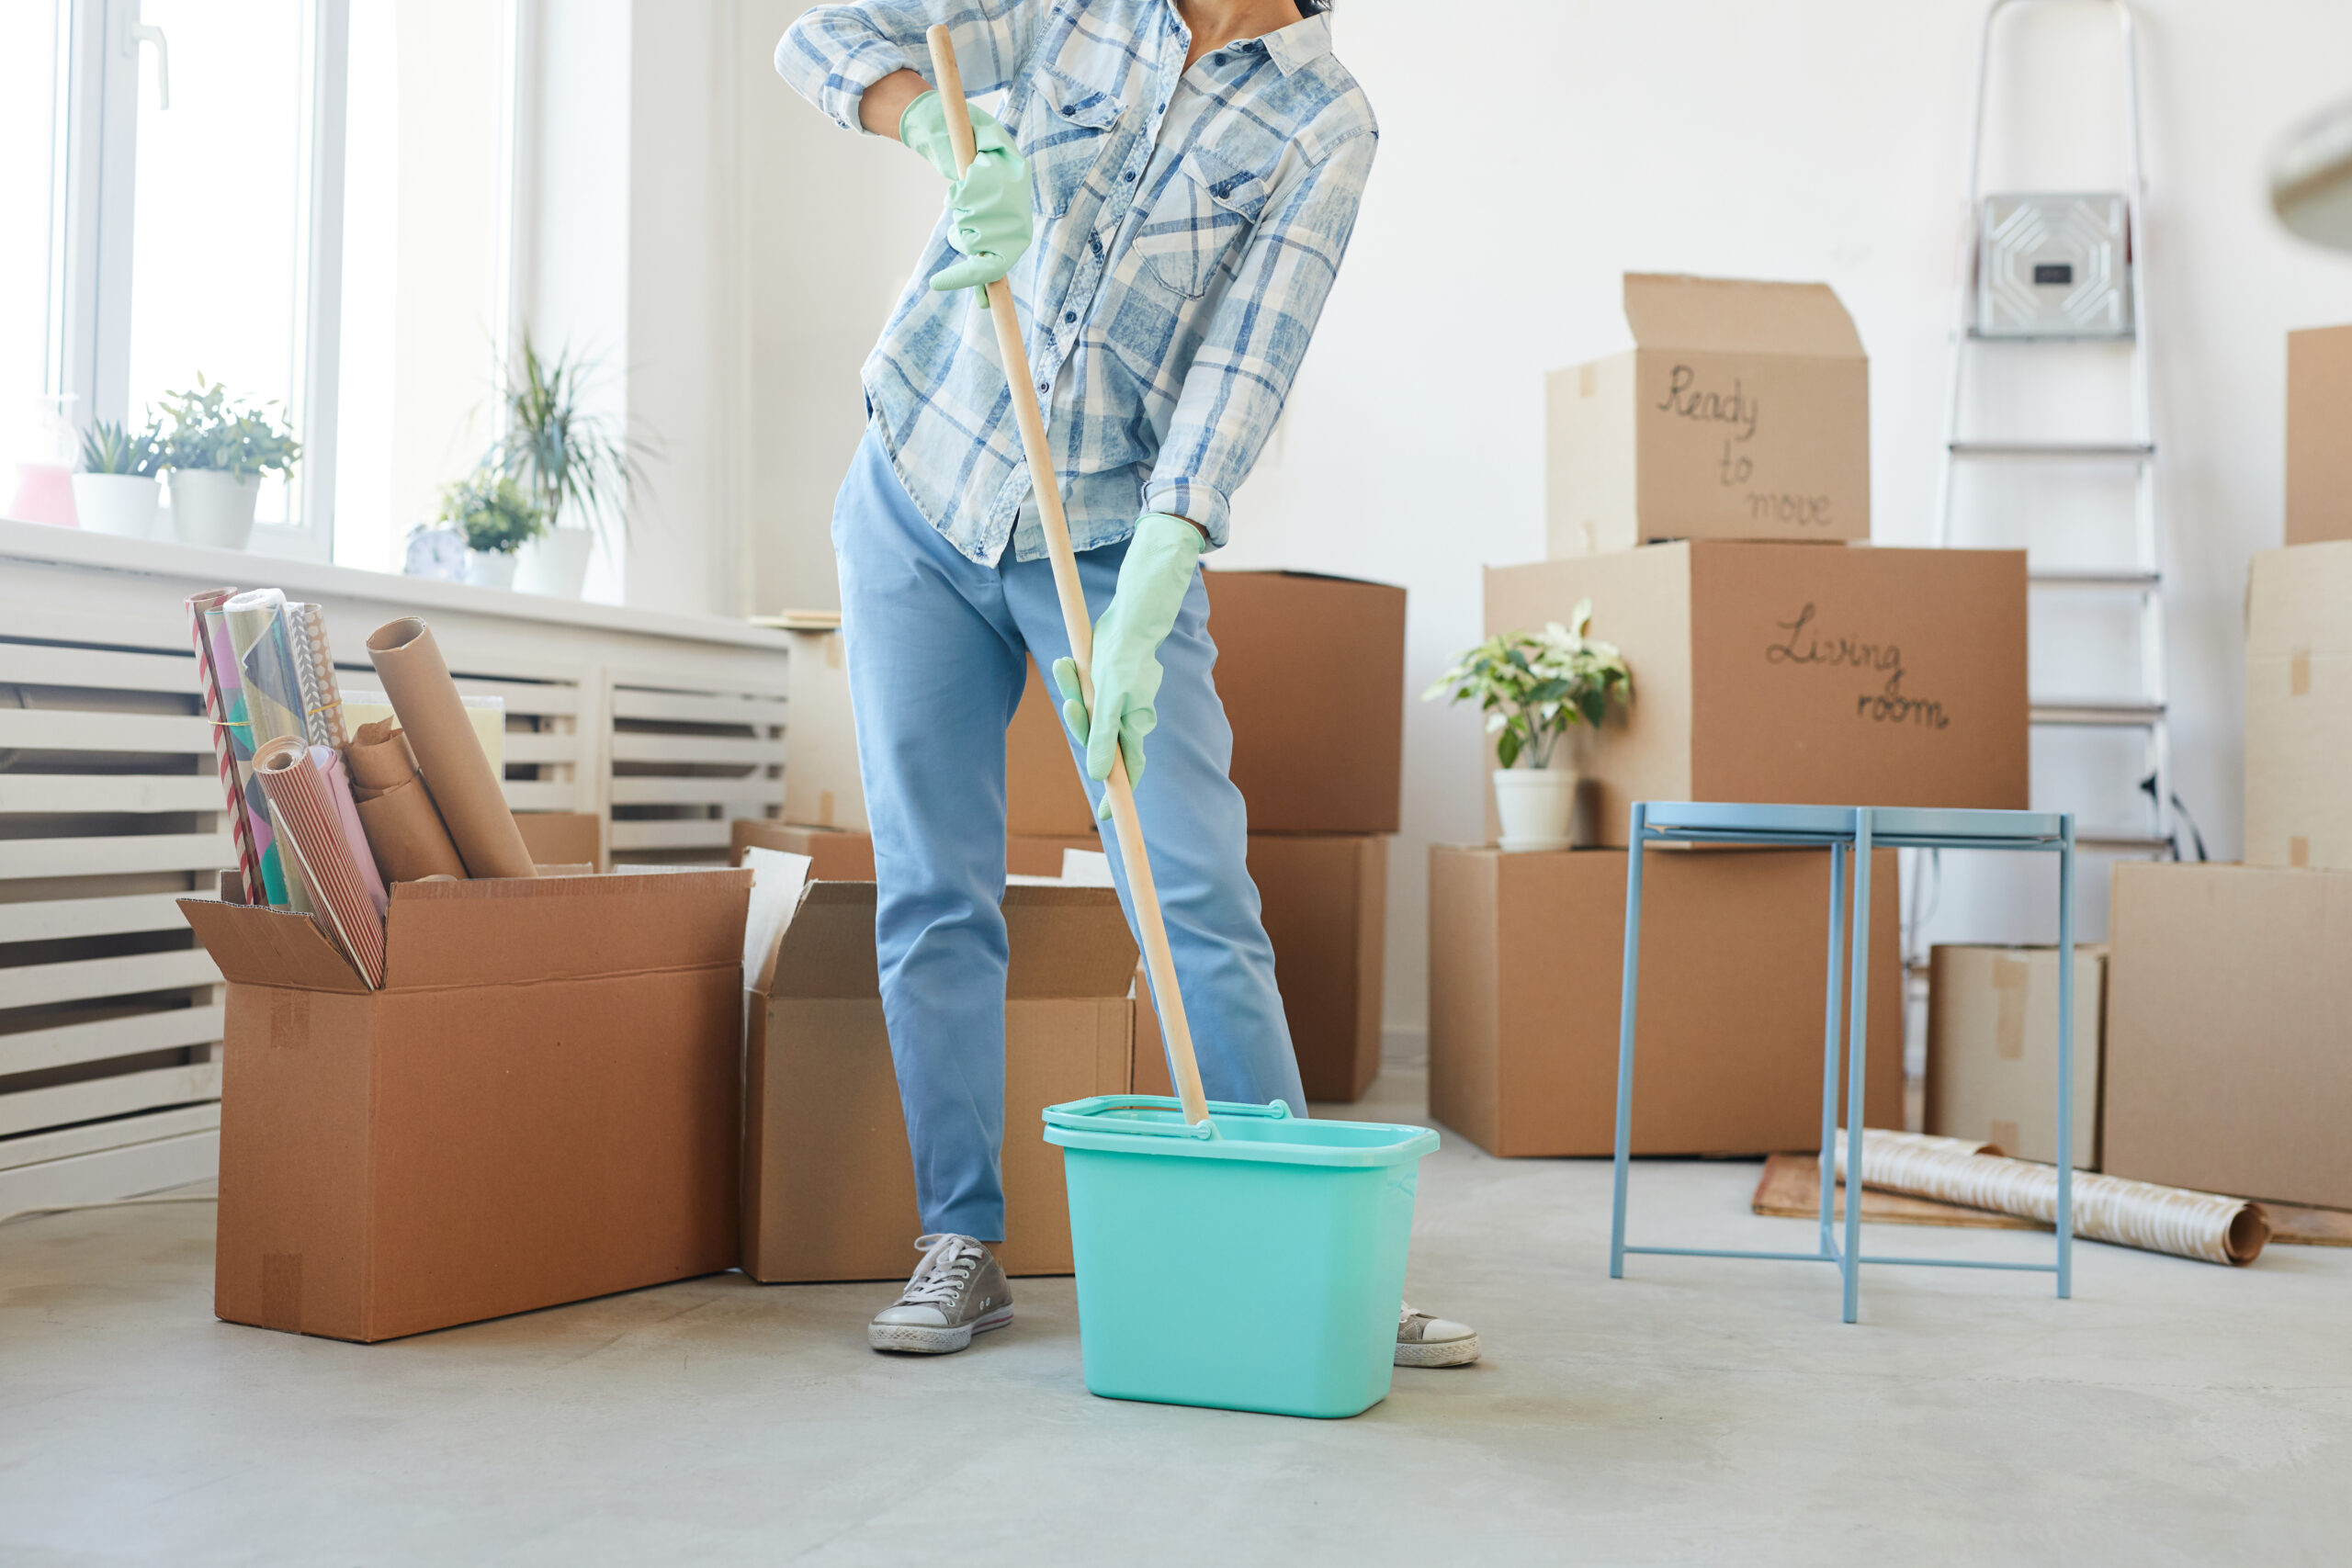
{"x": 2046, "y": 269}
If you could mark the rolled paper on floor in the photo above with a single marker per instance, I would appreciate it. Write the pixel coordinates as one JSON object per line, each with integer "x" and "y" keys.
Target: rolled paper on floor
{"x": 232, "y": 782}
{"x": 441, "y": 737}
{"x": 305, "y": 803}
{"x": 403, "y": 830}
{"x": 329, "y": 762}
{"x": 2202, "y": 1226}
{"x": 273, "y": 888}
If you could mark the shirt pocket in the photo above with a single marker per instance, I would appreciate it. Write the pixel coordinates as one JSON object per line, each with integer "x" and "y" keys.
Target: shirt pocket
{"x": 1066, "y": 136}
{"x": 1196, "y": 227}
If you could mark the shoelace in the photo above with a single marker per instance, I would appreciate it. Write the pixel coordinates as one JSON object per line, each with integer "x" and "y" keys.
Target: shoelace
{"x": 946, "y": 1266}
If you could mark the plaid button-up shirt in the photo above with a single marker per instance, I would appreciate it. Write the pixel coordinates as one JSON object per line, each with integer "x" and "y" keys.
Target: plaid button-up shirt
{"x": 1188, "y": 227}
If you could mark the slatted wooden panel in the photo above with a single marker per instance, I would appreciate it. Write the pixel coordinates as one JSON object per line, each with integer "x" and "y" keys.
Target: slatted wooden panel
{"x": 686, "y": 761}
{"x": 110, "y": 808}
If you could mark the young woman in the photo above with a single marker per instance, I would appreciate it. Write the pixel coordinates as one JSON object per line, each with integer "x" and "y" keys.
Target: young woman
{"x": 1189, "y": 171}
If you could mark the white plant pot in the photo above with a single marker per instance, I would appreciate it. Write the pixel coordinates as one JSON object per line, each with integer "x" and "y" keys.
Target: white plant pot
{"x": 491, "y": 569}
{"x": 212, "y": 508}
{"x": 117, "y": 504}
{"x": 556, "y": 563}
{"x": 1536, "y": 806}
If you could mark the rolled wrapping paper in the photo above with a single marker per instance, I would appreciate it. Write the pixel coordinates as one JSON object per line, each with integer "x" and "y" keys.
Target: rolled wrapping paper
{"x": 403, "y": 830}
{"x": 306, "y": 807}
{"x": 262, "y": 641}
{"x": 441, "y": 737}
{"x": 233, "y": 782}
{"x": 2202, "y": 1226}
{"x": 274, "y": 888}
{"x": 314, "y": 672}
{"x": 329, "y": 762}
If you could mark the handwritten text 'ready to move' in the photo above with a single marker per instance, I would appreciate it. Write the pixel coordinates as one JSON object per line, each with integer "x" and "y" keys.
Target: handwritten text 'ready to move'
{"x": 1806, "y": 644}
{"x": 1685, "y": 398}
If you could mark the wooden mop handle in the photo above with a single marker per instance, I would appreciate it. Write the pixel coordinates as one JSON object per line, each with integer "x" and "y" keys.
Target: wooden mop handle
{"x": 1081, "y": 630}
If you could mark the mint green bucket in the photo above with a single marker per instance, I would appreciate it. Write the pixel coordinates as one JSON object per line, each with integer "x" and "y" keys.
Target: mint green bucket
{"x": 1260, "y": 1268}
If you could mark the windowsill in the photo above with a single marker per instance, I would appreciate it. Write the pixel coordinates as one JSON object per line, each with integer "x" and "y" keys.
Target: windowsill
{"x": 39, "y": 543}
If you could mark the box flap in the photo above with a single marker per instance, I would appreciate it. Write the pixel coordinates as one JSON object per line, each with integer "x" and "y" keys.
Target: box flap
{"x": 1295, "y": 572}
{"x": 1068, "y": 942}
{"x": 1065, "y": 942}
{"x": 777, "y": 878}
{"x": 1674, "y": 311}
{"x": 261, "y": 946}
{"x": 508, "y": 931}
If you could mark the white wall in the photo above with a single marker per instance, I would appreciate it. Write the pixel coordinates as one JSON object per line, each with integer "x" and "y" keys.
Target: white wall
{"x": 1529, "y": 159}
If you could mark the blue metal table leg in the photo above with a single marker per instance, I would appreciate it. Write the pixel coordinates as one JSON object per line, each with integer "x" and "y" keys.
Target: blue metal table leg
{"x": 1625, "y": 1041}
{"x": 1830, "y": 1046}
{"x": 2065, "y": 1056}
{"x": 1858, "y": 1034}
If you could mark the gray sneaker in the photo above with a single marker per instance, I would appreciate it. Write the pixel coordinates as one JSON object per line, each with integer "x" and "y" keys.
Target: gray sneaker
{"x": 956, "y": 1291}
{"x": 1425, "y": 1341}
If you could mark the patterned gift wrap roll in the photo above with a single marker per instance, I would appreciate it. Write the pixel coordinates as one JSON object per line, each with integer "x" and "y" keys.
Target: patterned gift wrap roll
{"x": 276, "y": 887}
{"x": 232, "y": 782}
{"x": 306, "y": 807}
{"x": 2202, "y": 1226}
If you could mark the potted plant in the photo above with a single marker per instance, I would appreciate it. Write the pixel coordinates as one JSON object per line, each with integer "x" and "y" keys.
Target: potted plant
{"x": 580, "y": 471}
{"x": 498, "y": 517}
{"x": 116, "y": 490}
{"x": 216, "y": 449}
{"x": 1536, "y": 687}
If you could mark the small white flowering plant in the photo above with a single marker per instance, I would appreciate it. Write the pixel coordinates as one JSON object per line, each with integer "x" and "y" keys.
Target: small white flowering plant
{"x": 1536, "y": 686}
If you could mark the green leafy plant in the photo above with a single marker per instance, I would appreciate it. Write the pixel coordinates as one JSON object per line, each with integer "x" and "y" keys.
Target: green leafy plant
{"x": 109, "y": 448}
{"x": 212, "y": 431}
{"x": 495, "y": 514}
{"x": 1536, "y": 686}
{"x": 575, "y": 462}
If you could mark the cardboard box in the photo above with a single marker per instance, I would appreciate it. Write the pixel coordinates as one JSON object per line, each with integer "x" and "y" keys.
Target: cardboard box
{"x": 834, "y": 854}
{"x": 1793, "y": 673}
{"x": 1326, "y": 907}
{"x": 2229, "y": 1031}
{"x": 541, "y": 1105}
{"x": 562, "y": 838}
{"x": 2298, "y": 707}
{"x": 1993, "y": 1048}
{"x": 829, "y": 1186}
{"x": 2318, "y": 434}
{"x": 821, "y": 780}
{"x": 1312, "y": 672}
{"x": 1742, "y": 413}
{"x": 1042, "y": 795}
{"x": 1526, "y": 962}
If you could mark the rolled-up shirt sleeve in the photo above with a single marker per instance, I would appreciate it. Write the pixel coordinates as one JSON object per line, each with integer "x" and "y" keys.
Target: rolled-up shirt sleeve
{"x": 833, "y": 53}
{"x": 1257, "y": 337}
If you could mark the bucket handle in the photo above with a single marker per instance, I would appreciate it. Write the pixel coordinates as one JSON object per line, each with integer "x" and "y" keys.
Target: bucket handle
{"x": 1201, "y": 1130}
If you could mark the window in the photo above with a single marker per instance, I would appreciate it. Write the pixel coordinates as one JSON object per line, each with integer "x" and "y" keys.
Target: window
{"x": 309, "y": 202}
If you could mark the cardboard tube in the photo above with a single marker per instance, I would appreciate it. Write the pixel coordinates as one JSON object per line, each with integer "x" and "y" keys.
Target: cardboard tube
{"x": 403, "y": 830}
{"x": 440, "y": 736}
{"x": 2202, "y": 1226}
{"x": 305, "y": 801}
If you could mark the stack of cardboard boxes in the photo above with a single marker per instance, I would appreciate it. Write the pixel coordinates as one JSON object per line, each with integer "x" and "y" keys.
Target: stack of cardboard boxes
{"x": 1709, "y": 492}
{"x": 1311, "y": 669}
{"x": 2230, "y": 999}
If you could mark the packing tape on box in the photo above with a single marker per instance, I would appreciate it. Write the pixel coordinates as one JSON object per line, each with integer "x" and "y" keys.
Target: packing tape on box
{"x": 2202, "y": 1226}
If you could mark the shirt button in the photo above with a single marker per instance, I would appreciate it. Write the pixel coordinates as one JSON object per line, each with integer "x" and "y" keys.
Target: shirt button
{"x": 1163, "y": 108}
{"x": 1129, "y": 176}
{"x": 1068, "y": 316}
{"x": 1044, "y": 386}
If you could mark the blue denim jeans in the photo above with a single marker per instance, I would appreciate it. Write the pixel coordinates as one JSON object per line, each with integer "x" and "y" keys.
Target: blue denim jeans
{"x": 936, "y": 647}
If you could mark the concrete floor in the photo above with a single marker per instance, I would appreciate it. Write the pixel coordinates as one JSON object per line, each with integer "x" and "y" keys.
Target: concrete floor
{"x": 1698, "y": 1411}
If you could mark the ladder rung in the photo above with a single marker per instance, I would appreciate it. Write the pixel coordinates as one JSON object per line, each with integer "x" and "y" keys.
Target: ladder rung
{"x": 2094, "y": 577}
{"x": 2122, "y": 843}
{"x": 2133, "y": 715}
{"x": 2133, "y": 451}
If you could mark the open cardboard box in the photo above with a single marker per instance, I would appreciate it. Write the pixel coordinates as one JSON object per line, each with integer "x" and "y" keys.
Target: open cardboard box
{"x": 540, "y": 1105}
{"x": 829, "y": 1189}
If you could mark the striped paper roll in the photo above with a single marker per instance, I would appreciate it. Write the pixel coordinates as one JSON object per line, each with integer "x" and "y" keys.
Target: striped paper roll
{"x": 273, "y": 888}
{"x": 306, "y": 807}
{"x": 233, "y": 784}
{"x": 2202, "y": 1226}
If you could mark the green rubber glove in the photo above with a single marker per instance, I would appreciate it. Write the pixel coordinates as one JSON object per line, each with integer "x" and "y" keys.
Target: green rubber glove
{"x": 1153, "y": 580}
{"x": 987, "y": 208}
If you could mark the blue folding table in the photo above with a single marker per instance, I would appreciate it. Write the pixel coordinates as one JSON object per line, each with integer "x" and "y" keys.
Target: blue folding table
{"x": 1858, "y": 828}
